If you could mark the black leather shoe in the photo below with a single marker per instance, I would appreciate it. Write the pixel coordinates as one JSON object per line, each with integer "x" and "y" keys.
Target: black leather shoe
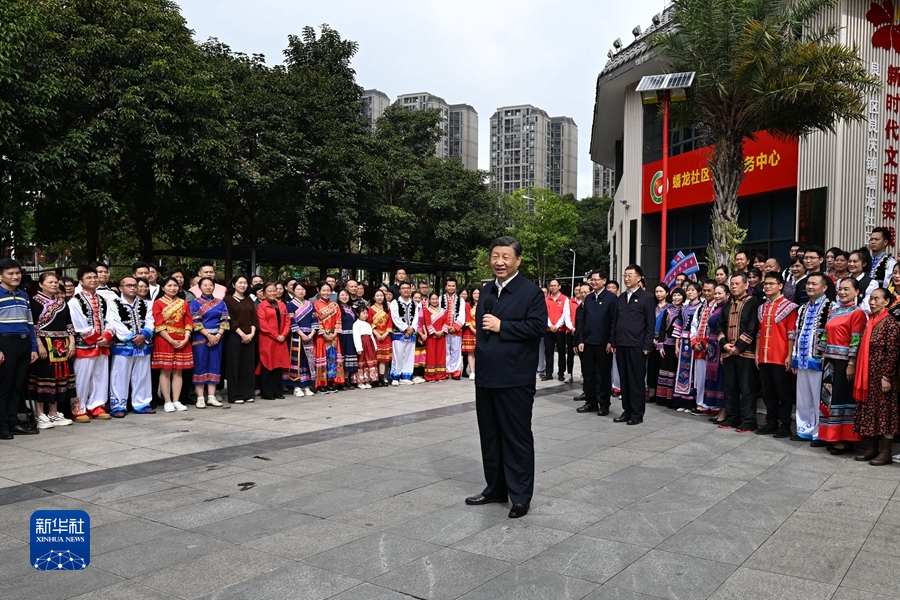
{"x": 586, "y": 408}
{"x": 602, "y": 411}
{"x": 21, "y": 429}
{"x": 562, "y": 377}
{"x": 6, "y": 434}
{"x": 797, "y": 438}
{"x": 480, "y": 499}
{"x": 455, "y": 378}
{"x": 546, "y": 377}
{"x": 518, "y": 510}
{"x": 634, "y": 421}
{"x": 818, "y": 444}
{"x": 580, "y": 398}
{"x": 767, "y": 429}
{"x": 622, "y": 419}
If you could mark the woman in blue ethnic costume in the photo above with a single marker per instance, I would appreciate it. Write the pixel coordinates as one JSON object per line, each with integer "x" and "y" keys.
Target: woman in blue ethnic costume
{"x": 843, "y": 332}
{"x": 348, "y": 346}
{"x": 661, "y": 292}
{"x": 713, "y": 392}
{"x": 304, "y": 324}
{"x": 685, "y": 395}
{"x": 210, "y": 316}
{"x": 669, "y": 332}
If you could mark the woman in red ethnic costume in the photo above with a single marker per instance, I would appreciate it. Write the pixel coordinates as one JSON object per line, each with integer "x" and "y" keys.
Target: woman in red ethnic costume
{"x": 172, "y": 342}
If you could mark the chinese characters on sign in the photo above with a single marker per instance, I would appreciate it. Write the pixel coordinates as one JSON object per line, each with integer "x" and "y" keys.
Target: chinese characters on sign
{"x": 881, "y": 152}
{"x": 60, "y": 540}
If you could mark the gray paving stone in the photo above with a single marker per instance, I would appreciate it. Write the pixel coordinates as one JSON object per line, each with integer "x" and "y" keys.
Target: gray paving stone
{"x": 447, "y": 526}
{"x": 608, "y": 592}
{"x": 772, "y": 495}
{"x": 645, "y": 476}
{"x": 308, "y": 539}
{"x": 673, "y": 576}
{"x": 623, "y": 456}
{"x": 367, "y": 591}
{"x": 254, "y": 525}
{"x": 397, "y": 482}
{"x": 156, "y": 554}
{"x": 192, "y": 579}
{"x": 637, "y": 528}
{"x": 122, "y": 534}
{"x": 676, "y": 463}
{"x": 750, "y": 584}
{"x": 126, "y": 590}
{"x": 37, "y": 584}
{"x": 587, "y": 558}
{"x": 210, "y": 511}
{"x": 731, "y": 470}
{"x": 808, "y": 554}
{"x": 443, "y": 575}
{"x": 891, "y": 513}
{"x": 845, "y": 502}
{"x": 333, "y": 501}
{"x": 371, "y": 556}
{"x": 883, "y": 540}
{"x": 749, "y": 517}
{"x": 116, "y": 492}
{"x": 513, "y": 542}
{"x": 610, "y": 493}
{"x": 845, "y": 593}
{"x": 521, "y": 582}
{"x": 712, "y": 542}
{"x": 702, "y": 486}
{"x": 161, "y": 501}
{"x": 875, "y": 573}
{"x": 386, "y": 513}
{"x": 288, "y": 583}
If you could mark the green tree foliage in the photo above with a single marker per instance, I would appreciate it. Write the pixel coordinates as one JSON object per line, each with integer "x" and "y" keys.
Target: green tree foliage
{"x": 545, "y": 225}
{"x": 762, "y": 65}
{"x": 591, "y": 243}
{"x": 121, "y": 135}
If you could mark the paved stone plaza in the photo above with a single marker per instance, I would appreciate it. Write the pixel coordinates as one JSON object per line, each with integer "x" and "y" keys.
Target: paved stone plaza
{"x": 359, "y": 496}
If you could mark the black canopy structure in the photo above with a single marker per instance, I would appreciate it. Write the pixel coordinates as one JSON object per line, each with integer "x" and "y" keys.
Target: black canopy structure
{"x": 274, "y": 254}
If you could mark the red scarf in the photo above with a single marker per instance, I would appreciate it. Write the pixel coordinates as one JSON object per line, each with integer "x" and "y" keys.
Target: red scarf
{"x": 861, "y": 379}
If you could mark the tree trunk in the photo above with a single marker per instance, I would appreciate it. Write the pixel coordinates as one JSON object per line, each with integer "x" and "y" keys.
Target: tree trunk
{"x": 142, "y": 229}
{"x": 726, "y": 165}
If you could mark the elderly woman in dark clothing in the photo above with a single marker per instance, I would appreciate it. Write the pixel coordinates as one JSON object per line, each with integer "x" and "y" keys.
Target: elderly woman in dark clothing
{"x": 877, "y": 416}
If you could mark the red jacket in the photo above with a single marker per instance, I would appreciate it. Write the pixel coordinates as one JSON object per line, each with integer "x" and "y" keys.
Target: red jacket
{"x": 557, "y": 312}
{"x": 272, "y": 353}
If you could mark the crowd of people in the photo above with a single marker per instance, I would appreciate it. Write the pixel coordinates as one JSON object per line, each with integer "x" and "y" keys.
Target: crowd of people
{"x": 822, "y": 335}
{"x": 82, "y": 349}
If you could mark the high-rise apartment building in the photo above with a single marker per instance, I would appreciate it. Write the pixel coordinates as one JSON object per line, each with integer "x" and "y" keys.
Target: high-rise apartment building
{"x": 373, "y": 104}
{"x": 529, "y": 148}
{"x": 459, "y": 126}
{"x": 604, "y": 181}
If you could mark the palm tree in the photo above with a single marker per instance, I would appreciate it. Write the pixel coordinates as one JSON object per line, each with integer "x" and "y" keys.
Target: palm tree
{"x": 762, "y": 65}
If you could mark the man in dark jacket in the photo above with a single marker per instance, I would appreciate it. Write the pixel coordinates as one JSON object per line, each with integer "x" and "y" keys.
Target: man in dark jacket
{"x": 592, "y": 338}
{"x": 632, "y": 341}
{"x": 511, "y": 319}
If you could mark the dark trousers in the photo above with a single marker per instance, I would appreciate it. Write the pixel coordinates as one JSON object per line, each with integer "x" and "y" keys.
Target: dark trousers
{"x": 740, "y": 389}
{"x": 270, "y": 384}
{"x": 777, "y": 384}
{"x": 596, "y": 366}
{"x": 13, "y": 371}
{"x": 570, "y": 353}
{"x": 555, "y": 340}
{"x": 240, "y": 367}
{"x": 507, "y": 444}
{"x": 632, "y": 364}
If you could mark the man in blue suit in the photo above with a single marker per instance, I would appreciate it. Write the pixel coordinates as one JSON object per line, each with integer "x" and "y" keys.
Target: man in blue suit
{"x": 511, "y": 319}
{"x": 592, "y": 338}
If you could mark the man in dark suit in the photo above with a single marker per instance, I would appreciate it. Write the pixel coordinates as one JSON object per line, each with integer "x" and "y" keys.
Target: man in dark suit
{"x": 511, "y": 319}
{"x": 592, "y": 338}
{"x": 632, "y": 341}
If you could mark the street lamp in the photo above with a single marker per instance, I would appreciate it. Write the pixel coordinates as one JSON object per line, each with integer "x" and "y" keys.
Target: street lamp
{"x": 572, "y": 289}
{"x": 670, "y": 88}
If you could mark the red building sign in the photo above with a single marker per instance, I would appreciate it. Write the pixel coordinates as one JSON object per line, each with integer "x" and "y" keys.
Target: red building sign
{"x": 770, "y": 164}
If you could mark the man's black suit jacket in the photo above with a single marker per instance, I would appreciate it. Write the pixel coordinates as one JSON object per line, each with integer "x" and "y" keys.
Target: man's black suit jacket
{"x": 595, "y": 318}
{"x": 635, "y": 320}
{"x": 510, "y": 358}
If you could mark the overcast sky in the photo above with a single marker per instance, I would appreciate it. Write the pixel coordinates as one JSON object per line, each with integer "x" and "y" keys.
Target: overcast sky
{"x": 486, "y": 53}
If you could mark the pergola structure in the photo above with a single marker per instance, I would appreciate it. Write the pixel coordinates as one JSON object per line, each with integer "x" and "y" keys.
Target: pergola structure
{"x": 274, "y": 254}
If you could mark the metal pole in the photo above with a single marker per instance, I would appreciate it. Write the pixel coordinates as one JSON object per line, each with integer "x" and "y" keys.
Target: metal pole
{"x": 665, "y": 186}
{"x": 572, "y": 289}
